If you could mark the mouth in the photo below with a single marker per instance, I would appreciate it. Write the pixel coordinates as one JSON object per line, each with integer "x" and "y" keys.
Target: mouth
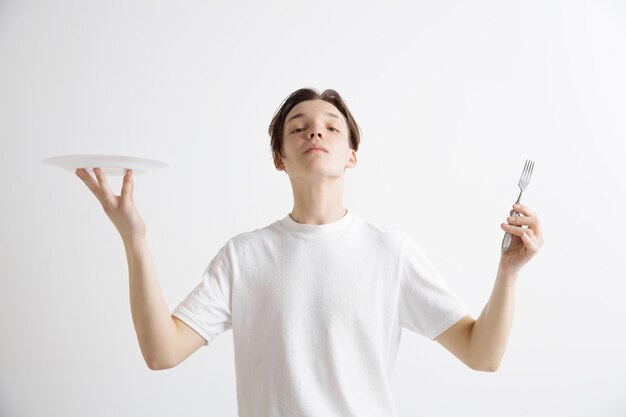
{"x": 316, "y": 149}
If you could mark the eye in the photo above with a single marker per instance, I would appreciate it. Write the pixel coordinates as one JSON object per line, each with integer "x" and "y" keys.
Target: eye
{"x": 333, "y": 128}
{"x": 297, "y": 130}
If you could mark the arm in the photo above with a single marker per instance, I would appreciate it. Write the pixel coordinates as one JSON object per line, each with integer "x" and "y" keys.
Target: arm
{"x": 481, "y": 344}
{"x": 490, "y": 333}
{"x": 164, "y": 340}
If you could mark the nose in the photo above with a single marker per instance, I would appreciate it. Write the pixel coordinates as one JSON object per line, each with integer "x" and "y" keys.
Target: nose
{"x": 313, "y": 134}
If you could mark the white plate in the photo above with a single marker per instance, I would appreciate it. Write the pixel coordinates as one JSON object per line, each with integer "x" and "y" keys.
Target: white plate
{"x": 111, "y": 165}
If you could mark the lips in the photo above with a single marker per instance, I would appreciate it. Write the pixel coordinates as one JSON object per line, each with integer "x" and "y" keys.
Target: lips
{"x": 317, "y": 147}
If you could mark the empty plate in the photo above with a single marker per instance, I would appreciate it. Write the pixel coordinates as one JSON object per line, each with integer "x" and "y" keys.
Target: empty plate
{"x": 111, "y": 165}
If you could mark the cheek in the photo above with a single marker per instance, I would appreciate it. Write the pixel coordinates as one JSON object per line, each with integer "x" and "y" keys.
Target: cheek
{"x": 292, "y": 143}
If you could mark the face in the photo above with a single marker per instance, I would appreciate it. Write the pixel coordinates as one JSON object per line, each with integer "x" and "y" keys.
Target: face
{"x": 315, "y": 123}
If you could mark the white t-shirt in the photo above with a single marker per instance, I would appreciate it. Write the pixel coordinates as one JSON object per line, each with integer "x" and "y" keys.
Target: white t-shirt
{"x": 316, "y": 313}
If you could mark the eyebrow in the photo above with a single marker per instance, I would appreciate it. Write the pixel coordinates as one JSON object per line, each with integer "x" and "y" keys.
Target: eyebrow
{"x": 297, "y": 115}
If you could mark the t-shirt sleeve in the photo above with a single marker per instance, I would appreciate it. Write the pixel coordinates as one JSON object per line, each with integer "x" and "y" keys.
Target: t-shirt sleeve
{"x": 426, "y": 304}
{"x": 207, "y": 308}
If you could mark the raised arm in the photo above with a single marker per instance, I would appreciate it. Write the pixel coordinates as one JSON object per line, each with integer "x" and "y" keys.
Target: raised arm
{"x": 164, "y": 341}
{"x": 481, "y": 343}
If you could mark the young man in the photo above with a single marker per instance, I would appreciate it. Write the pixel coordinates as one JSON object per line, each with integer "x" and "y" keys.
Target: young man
{"x": 317, "y": 299}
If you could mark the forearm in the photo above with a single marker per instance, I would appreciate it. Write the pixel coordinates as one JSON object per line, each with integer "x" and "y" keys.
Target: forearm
{"x": 155, "y": 328}
{"x": 490, "y": 332}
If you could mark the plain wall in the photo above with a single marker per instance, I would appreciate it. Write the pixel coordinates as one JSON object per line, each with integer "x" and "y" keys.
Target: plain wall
{"x": 452, "y": 97}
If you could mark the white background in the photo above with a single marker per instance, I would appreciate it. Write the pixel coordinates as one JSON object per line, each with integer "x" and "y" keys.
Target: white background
{"x": 451, "y": 97}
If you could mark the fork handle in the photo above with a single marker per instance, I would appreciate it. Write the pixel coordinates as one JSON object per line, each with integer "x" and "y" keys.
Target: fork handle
{"x": 506, "y": 242}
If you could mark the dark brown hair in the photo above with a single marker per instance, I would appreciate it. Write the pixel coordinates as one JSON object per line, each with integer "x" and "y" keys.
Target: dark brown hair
{"x": 275, "y": 129}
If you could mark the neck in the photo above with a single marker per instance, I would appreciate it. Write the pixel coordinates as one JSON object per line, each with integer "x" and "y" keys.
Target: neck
{"x": 318, "y": 202}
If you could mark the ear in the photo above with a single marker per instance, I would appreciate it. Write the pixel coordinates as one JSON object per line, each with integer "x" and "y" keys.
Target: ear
{"x": 278, "y": 163}
{"x": 352, "y": 160}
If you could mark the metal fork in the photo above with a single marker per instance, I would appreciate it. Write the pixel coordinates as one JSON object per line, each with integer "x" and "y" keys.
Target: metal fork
{"x": 523, "y": 182}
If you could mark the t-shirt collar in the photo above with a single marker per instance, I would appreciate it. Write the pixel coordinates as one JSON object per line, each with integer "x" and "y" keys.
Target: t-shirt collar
{"x": 318, "y": 230}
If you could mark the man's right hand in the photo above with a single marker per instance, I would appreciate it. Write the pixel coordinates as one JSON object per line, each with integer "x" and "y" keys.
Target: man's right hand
{"x": 120, "y": 209}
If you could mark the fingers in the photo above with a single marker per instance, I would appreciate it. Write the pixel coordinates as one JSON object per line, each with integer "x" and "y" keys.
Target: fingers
{"x": 531, "y": 241}
{"x": 527, "y": 218}
{"x": 514, "y": 230}
{"x": 100, "y": 188}
{"x": 89, "y": 182}
{"x": 104, "y": 185}
{"x": 520, "y": 208}
{"x": 528, "y": 236}
{"x": 521, "y": 221}
{"x": 128, "y": 186}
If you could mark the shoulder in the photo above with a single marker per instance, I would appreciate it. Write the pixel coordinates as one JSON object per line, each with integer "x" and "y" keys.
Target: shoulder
{"x": 269, "y": 234}
{"x": 384, "y": 235}
{"x": 401, "y": 242}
